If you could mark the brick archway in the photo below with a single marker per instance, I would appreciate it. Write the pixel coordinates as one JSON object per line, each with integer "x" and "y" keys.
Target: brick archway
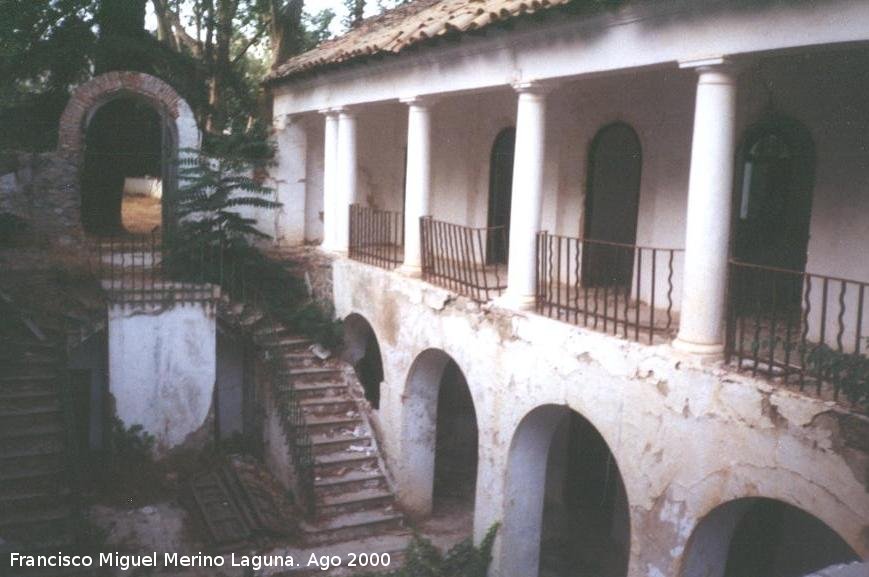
{"x": 179, "y": 126}
{"x": 88, "y": 97}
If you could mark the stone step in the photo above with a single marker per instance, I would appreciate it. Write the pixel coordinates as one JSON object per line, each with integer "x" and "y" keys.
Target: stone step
{"x": 37, "y": 442}
{"x": 342, "y": 462}
{"x": 33, "y": 463}
{"x": 353, "y": 526}
{"x": 15, "y": 482}
{"x": 350, "y": 481}
{"x": 312, "y": 374}
{"x": 319, "y": 389}
{"x": 328, "y": 423}
{"x": 33, "y": 431}
{"x": 18, "y": 381}
{"x": 353, "y": 502}
{"x": 30, "y": 528}
{"x": 23, "y": 400}
{"x": 29, "y": 500}
{"x": 14, "y": 420}
{"x": 335, "y": 443}
{"x": 322, "y": 406}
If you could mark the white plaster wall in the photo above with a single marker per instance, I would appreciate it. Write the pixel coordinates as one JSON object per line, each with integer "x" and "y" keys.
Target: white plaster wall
{"x": 289, "y": 181}
{"x": 686, "y": 437}
{"x": 315, "y": 129}
{"x": 162, "y": 369}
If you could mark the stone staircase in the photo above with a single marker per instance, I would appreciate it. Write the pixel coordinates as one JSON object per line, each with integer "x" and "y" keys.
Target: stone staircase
{"x": 37, "y": 497}
{"x": 352, "y": 495}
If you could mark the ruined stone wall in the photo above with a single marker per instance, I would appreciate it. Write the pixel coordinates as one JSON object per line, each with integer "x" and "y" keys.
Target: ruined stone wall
{"x": 687, "y": 437}
{"x": 43, "y": 190}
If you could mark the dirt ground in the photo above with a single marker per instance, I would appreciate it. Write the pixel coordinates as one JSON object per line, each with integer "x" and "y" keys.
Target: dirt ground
{"x": 141, "y": 214}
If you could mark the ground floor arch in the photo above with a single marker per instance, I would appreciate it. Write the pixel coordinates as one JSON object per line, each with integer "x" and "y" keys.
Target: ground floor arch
{"x": 362, "y": 350}
{"x": 565, "y": 505}
{"x": 440, "y": 437}
{"x": 761, "y": 536}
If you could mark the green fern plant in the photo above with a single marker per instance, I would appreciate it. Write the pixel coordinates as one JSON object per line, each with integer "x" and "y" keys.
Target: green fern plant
{"x": 214, "y": 191}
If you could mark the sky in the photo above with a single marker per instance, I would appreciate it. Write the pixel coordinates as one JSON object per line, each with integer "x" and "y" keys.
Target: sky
{"x": 311, "y": 6}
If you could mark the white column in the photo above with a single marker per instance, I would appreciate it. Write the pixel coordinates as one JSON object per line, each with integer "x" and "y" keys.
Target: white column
{"x": 527, "y": 194}
{"x": 417, "y": 196}
{"x": 345, "y": 181}
{"x": 330, "y": 166}
{"x": 707, "y": 236}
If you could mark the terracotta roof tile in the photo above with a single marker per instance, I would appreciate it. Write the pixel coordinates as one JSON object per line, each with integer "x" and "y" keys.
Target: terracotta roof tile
{"x": 407, "y": 25}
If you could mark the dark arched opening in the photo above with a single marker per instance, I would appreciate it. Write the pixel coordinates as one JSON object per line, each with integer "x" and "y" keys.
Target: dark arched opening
{"x": 612, "y": 202}
{"x": 776, "y": 175}
{"x": 121, "y": 182}
{"x": 567, "y": 508}
{"x": 440, "y": 439}
{"x": 759, "y": 536}
{"x": 455, "y": 476}
{"x": 362, "y": 350}
{"x": 500, "y": 194}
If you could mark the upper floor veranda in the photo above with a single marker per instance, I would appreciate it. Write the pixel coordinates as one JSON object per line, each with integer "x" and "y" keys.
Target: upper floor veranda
{"x": 606, "y": 171}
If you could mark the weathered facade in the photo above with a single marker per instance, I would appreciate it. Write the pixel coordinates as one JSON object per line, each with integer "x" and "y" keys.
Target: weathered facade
{"x": 712, "y": 144}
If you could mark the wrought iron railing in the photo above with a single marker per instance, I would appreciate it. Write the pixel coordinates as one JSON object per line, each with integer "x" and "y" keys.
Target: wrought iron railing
{"x": 622, "y": 289}
{"x": 139, "y": 269}
{"x": 455, "y": 257}
{"x": 376, "y": 236}
{"x": 800, "y": 329}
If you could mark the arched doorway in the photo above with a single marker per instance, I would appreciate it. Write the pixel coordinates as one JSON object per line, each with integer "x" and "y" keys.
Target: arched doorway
{"x": 441, "y": 439}
{"x": 500, "y": 194}
{"x": 776, "y": 173}
{"x": 121, "y": 181}
{"x": 759, "y": 536}
{"x": 143, "y": 95}
{"x": 566, "y": 509}
{"x": 362, "y": 350}
{"x": 612, "y": 202}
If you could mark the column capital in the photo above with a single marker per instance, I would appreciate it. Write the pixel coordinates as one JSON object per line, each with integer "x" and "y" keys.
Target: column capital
{"x": 346, "y": 109}
{"x": 327, "y": 112}
{"x": 421, "y": 101}
{"x": 711, "y": 64}
{"x": 541, "y": 87}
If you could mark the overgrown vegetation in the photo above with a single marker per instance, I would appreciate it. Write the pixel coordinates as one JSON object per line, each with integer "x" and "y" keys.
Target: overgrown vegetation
{"x": 422, "y": 559}
{"x": 220, "y": 196}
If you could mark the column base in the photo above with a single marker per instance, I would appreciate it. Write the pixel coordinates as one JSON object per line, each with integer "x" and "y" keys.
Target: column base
{"x": 516, "y": 302}
{"x": 706, "y": 351}
{"x": 410, "y": 270}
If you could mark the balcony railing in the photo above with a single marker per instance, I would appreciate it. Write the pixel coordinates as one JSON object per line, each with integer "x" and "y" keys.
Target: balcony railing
{"x": 376, "y": 236}
{"x": 621, "y": 289}
{"x": 455, "y": 257}
{"x": 800, "y": 329}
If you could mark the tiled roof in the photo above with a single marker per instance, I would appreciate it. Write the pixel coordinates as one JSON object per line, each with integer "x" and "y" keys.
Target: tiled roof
{"x": 407, "y": 25}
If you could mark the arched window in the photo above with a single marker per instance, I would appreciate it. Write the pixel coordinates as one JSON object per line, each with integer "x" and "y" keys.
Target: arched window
{"x": 500, "y": 190}
{"x": 611, "y": 204}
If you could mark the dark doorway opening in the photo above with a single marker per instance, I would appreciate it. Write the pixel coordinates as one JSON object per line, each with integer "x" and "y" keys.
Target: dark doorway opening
{"x": 586, "y": 528}
{"x": 122, "y": 177}
{"x": 611, "y": 206}
{"x": 362, "y": 350}
{"x": 776, "y": 175}
{"x": 500, "y": 194}
{"x": 455, "y": 473}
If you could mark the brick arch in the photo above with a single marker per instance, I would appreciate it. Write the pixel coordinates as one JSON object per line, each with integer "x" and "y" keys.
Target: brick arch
{"x": 88, "y": 97}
